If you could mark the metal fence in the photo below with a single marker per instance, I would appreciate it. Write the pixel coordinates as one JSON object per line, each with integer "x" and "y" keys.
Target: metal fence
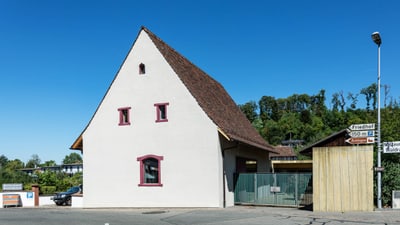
{"x": 289, "y": 189}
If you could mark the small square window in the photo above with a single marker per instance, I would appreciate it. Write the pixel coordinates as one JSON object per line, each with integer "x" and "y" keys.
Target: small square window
{"x": 161, "y": 112}
{"x": 124, "y": 116}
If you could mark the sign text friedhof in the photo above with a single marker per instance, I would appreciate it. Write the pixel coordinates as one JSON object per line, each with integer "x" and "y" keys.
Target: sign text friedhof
{"x": 365, "y": 126}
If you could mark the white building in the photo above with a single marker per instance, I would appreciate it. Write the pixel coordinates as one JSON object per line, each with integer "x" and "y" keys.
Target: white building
{"x": 166, "y": 135}
{"x": 69, "y": 169}
{"x": 72, "y": 168}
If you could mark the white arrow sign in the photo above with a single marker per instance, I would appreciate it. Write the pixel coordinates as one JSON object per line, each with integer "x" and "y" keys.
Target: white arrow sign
{"x": 391, "y": 147}
{"x": 365, "y": 126}
{"x": 362, "y": 133}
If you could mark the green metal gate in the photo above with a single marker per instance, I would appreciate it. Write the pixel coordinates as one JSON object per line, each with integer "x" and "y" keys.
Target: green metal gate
{"x": 280, "y": 189}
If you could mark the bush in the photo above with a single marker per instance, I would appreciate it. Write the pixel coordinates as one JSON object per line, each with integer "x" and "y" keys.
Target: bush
{"x": 47, "y": 190}
{"x": 28, "y": 187}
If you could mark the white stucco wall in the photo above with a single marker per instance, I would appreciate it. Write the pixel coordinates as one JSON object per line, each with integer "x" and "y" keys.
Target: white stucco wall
{"x": 191, "y": 172}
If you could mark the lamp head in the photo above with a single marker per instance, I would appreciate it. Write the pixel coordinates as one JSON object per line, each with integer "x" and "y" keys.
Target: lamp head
{"x": 376, "y": 38}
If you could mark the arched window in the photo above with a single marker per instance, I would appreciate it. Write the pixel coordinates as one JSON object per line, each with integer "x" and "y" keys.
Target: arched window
{"x": 150, "y": 170}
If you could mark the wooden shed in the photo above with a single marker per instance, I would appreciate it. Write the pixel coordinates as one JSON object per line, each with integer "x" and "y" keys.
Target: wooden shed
{"x": 342, "y": 175}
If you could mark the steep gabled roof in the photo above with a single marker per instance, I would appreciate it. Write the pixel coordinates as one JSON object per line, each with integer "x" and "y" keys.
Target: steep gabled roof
{"x": 211, "y": 97}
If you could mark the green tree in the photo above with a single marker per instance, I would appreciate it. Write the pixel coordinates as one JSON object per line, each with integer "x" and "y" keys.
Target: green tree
{"x": 370, "y": 94}
{"x": 318, "y": 106}
{"x": 33, "y": 162}
{"x": 11, "y": 172}
{"x": 272, "y": 133}
{"x": 353, "y": 100}
{"x": 335, "y": 102}
{"x": 47, "y": 178}
{"x": 390, "y": 179}
{"x": 72, "y": 158}
{"x": 268, "y": 108}
{"x": 70, "y": 181}
{"x": 250, "y": 110}
{"x": 13, "y": 165}
{"x": 3, "y": 161}
{"x": 291, "y": 126}
{"x": 49, "y": 163}
{"x": 298, "y": 103}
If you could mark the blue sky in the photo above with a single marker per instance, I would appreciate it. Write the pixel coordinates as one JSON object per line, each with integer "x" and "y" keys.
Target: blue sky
{"x": 57, "y": 58}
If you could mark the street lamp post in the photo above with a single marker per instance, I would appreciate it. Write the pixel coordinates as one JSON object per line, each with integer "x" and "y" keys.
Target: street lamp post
{"x": 377, "y": 39}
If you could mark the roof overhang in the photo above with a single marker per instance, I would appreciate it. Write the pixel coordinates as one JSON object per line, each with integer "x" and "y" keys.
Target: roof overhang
{"x": 232, "y": 137}
{"x": 78, "y": 144}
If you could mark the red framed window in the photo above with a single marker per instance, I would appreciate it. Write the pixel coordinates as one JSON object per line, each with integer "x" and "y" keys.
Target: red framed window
{"x": 150, "y": 170}
{"x": 124, "y": 116}
{"x": 161, "y": 112}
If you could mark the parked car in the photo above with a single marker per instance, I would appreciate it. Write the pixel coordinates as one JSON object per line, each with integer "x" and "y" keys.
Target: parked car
{"x": 64, "y": 198}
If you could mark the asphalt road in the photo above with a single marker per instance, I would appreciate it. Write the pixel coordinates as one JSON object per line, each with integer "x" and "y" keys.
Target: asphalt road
{"x": 243, "y": 215}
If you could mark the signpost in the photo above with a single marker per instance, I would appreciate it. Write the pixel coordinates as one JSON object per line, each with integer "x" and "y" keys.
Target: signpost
{"x": 365, "y": 126}
{"x": 391, "y": 147}
{"x": 361, "y": 134}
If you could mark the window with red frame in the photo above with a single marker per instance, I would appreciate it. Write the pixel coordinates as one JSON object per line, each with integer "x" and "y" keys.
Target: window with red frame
{"x": 124, "y": 116}
{"x": 150, "y": 170}
{"x": 161, "y": 112}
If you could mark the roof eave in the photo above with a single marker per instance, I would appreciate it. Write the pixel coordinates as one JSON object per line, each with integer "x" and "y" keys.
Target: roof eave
{"x": 78, "y": 144}
{"x": 268, "y": 148}
{"x": 308, "y": 149}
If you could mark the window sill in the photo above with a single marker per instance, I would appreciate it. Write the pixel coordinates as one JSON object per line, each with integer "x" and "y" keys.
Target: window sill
{"x": 150, "y": 185}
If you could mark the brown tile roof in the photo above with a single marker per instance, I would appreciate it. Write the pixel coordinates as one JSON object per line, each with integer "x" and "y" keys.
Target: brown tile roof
{"x": 284, "y": 151}
{"x": 211, "y": 97}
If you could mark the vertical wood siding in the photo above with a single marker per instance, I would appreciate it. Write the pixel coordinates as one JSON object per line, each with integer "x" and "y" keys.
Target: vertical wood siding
{"x": 343, "y": 178}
